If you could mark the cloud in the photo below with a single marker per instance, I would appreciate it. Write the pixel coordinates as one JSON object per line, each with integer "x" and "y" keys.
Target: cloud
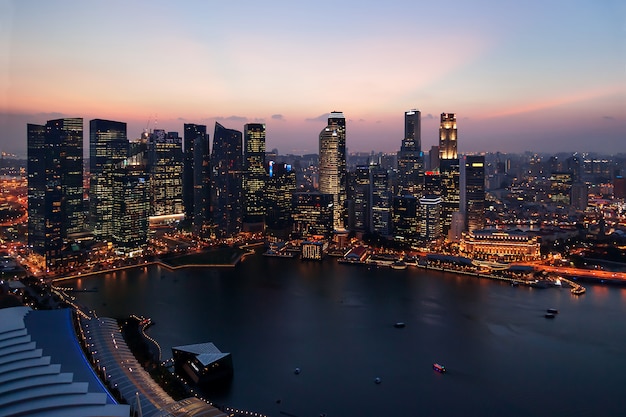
{"x": 320, "y": 118}
{"x": 278, "y": 117}
{"x": 429, "y": 116}
{"x": 233, "y": 118}
{"x": 182, "y": 119}
{"x": 608, "y": 117}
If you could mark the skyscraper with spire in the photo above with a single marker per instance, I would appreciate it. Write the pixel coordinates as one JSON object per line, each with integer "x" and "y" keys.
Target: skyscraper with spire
{"x": 332, "y": 166}
{"x": 449, "y": 169}
{"x": 448, "y": 136}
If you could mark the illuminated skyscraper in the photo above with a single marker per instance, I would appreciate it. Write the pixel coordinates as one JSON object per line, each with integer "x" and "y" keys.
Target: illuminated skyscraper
{"x": 312, "y": 215}
{"x": 360, "y": 190}
{"x": 410, "y": 157}
{"x": 449, "y": 171}
{"x": 473, "y": 191}
{"x": 108, "y": 147}
{"x": 430, "y": 218}
{"x": 380, "y": 198}
{"x": 279, "y": 189}
{"x": 406, "y": 218}
{"x": 196, "y": 177}
{"x": 165, "y": 164}
{"x": 226, "y": 181}
{"x": 448, "y": 136}
{"x": 55, "y": 185}
{"x": 255, "y": 176}
{"x": 131, "y": 208}
{"x": 332, "y": 166}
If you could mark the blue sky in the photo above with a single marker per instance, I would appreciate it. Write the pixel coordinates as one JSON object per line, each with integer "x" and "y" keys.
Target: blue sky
{"x": 536, "y": 75}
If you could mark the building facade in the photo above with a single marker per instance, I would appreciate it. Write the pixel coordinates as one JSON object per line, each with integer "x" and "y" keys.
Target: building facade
{"x": 448, "y": 136}
{"x": 473, "y": 191}
{"x": 165, "y": 164}
{"x": 312, "y": 215}
{"x": 196, "y": 180}
{"x": 332, "y": 166}
{"x": 410, "y": 157}
{"x": 255, "y": 176}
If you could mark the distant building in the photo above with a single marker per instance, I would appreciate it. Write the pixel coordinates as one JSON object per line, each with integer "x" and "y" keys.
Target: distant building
{"x": 196, "y": 177}
{"x": 472, "y": 187}
{"x": 430, "y": 218}
{"x": 448, "y": 136}
{"x": 579, "y": 196}
{"x": 255, "y": 177}
{"x": 279, "y": 189}
{"x": 108, "y": 147}
{"x": 227, "y": 181}
{"x": 450, "y": 191}
{"x": 359, "y": 213}
{"x": 406, "y": 218}
{"x": 314, "y": 250}
{"x": 165, "y": 165}
{"x": 380, "y": 199}
{"x": 560, "y": 187}
{"x": 55, "y": 186}
{"x": 410, "y": 157}
{"x": 509, "y": 246}
{"x": 312, "y": 214}
{"x": 332, "y": 166}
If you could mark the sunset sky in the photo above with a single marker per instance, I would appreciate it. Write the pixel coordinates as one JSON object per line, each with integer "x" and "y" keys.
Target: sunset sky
{"x": 540, "y": 76}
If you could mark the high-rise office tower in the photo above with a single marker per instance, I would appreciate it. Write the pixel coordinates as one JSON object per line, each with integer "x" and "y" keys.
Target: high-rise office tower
{"x": 280, "y": 186}
{"x": 360, "y": 197}
{"x": 108, "y": 147}
{"x": 380, "y": 198}
{"x": 55, "y": 185}
{"x": 473, "y": 191}
{"x": 449, "y": 172}
{"x": 430, "y": 217}
{"x": 405, "y": 218}
{"x": 165, "y": 164}
{"x": 255, "y": 176}
{"x": 410, "y": 157}
{"x": 196, "y": 177}
{"x": 332, "y": 165}
{"x": 312, "y": 215}
{"x": 226, "y": 181}
{"x": 131, "y": 207}
{"x": 448, "y": 136}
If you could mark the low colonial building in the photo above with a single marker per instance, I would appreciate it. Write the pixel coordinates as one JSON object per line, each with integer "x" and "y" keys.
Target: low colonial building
{"x": 504, "y": 246}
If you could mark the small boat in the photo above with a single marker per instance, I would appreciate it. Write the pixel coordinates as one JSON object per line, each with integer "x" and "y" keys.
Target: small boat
{"x": 398, "y": 265}
{"x": 549, "y": 315}
{"x": 552, "y": 311}
{"x": 377, "y": 380}
{"x": 439, "y": 368}
{"x": 578, "y": 290}
{"x": 399, "y": 325}
{"x": 297, "y": 371}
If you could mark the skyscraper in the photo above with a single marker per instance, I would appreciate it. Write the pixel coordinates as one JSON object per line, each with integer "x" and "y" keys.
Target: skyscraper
{"x": 473, "y": 191}
{"x": 410, "y": 157}
{"x": 280, "y": 186}
{"x": 55, "y": 185}
{"x": 196, "y": 177}
{"x": 226, "y": 181}
{"x": 108, "y": 147}
{"x": 255, "y": 176}
{"x": 332, "y": 165}
{"x": 165, "y": 164}
{"x": 448, "y": 136}
{"x": 380, "y": 198}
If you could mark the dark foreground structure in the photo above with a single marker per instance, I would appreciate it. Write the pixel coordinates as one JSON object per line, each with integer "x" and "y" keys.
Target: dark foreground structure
{"x": 203, "y": 363}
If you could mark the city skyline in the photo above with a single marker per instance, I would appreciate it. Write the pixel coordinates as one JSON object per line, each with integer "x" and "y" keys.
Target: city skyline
{"x": 526, "y": 77}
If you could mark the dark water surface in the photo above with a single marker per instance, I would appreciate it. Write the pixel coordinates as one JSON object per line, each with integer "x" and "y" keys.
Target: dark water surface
{"x": 335, "y": 322}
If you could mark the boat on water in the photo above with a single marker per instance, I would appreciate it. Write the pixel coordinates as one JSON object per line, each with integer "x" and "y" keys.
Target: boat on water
{"x": 439, "y": 368}
{"x": 549, "y": 315}
{"x": 578, "y": 290}
{"x": 399, "y": 265}
{"x": 552, "y": 310}
{"x": 399, "y": 325}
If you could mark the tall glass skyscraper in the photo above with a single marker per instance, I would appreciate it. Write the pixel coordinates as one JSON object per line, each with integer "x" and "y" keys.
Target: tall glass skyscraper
{"x": 448, "y": 136}
{"x": 55, "y": 185}
{"x": 226, "y": 181}
{"x": 332, "y": 166}
{"x": 410, "y": 157}
{"x": 473, "y": 191}
{"x": 255, "y": 176}
{"x": 165, "y": 164}
{"x": 108, "y": 147}
{"x": 196, "y": 177}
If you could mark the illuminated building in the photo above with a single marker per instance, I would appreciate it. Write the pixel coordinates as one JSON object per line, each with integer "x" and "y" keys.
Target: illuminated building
{"x": 108, "y": 146}
{"x": 448, "y": 136}
{"x": 312, "y": 215}
{"x": 196, "y": 181}
{"x": 55, "y": 185}
{"x": 579, "y": 196}
{"x": 406, "y": 216}
{"x": 450, "y": 191}
{"x": 560, "y": 187}
{"x": 202, "y": 363}
{"x": 430, "y": 217}
{"x": 254, "y": 177}
{"x": 314, "y": 250}
{"x": 502, "y": 246}
{"x": 332, "y": 165}
{"x": 432, "y": 183}
{"x": 473, "y": 191}
{"x": 380, "y": 200}
{"x": 226, "y": 181}
{"x": 359, "y": 217}
{"x": 279, "y": 189}
{"x": 131, "y": 207}
{"x": 165, "y": 164}
{"x": 410, "y": 157}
